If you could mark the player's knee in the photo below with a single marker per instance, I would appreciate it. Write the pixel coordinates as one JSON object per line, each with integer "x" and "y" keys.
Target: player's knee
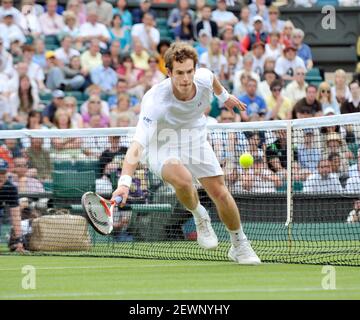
{"x": 181, "y": 181}
{"x": 220, "y": 194}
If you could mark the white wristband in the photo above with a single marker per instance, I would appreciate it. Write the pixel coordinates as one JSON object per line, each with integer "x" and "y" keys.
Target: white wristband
{"x": 223, "y": 96}
{"x": 125, "y": 181}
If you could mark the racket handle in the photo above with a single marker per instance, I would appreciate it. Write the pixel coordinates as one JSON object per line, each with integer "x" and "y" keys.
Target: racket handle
{"x": 118, "y": 199}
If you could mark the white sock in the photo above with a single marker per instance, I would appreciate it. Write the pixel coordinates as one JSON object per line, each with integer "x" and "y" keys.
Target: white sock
{"x": 199, "y": 212}
{"x": 237, "y": 236}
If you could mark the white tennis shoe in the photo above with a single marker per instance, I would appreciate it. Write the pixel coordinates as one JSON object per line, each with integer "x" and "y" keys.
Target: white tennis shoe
{"x": 206, "y": 236}
{"x": 243, "y": 254}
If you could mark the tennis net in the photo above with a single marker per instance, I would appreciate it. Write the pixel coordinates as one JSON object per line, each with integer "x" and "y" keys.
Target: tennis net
{"x": 299, "y": 202}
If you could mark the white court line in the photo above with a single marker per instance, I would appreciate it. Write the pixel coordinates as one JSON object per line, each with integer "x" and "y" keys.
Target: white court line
{"x": 167, "y": 292}
{"x": 128, "y": 266}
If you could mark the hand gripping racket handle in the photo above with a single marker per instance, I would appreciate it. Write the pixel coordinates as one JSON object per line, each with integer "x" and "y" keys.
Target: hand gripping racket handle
{"x": 118, "y": 199}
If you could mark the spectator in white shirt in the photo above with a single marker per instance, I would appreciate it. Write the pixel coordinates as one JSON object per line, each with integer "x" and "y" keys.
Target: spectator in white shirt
{"x": 51, "y": 22}
{"x": 274, "y": 48}
{"x": 354, "y": 215}
{"x": 323, "y": 181}
{"x": 258, "y": 52}
{"x": 29, "y": 20}
{"x": 146, "y": 33}
{"x": 35, "y": 72}
{"x": 214, "y": 60}
{"x": 245, "y": 25}
{"x": 285, "y": 66}
{"x": 7, "y": 6}
{"x": 66, "y": 52}
{"x": 92, "y": 29}
{"x": 296, "y": 89}
{"x": 223, "y": 17}
{"x": 10, "y": 31}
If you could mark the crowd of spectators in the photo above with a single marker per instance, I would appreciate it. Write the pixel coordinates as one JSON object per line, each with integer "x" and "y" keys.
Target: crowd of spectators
{"x": 109, "y": 56}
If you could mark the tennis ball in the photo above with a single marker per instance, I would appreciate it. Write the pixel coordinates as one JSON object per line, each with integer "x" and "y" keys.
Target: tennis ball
{"x": 246, "y": 160}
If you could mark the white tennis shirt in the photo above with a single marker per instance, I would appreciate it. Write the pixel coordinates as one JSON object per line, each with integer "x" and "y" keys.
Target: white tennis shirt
{"x": 161, "y": 111}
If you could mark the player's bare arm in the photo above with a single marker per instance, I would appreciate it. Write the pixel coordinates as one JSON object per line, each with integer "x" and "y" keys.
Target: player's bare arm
{"x": 130, "y": 164}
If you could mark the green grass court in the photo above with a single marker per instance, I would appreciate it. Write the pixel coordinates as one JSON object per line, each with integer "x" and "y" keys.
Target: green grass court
{"x": 121, "y": 278}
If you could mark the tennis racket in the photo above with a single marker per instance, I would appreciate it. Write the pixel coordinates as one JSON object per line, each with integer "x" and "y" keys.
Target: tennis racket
{"x": 98, "y": 212}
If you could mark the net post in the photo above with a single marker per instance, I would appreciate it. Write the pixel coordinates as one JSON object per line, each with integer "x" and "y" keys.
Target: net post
{"x": 289, "y": 153}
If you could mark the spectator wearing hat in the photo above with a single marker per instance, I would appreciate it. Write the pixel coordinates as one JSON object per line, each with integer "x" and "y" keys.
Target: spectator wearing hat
{"x": 176, "y": 14}
{"x": 56, "y": 76}
{"x": 222, "y": 17}
{"x": 245, "y": 25}
{"x": 296, "y": 89}
{"x": 7, "y": 7}
{"x": 279, "y": 107}
{"x": 145, "y": 7}
{"x": 72, "y": 29}
{"x": 303, "y": 50}
{"x": 309, "y": 101}
{"x": 325, "y": 98}
{"x": 206, "y": 23}
{"x": 51, "y": 22}
{"x": 146, "y": 33}
{"x": 93, "y": 29}
{"x": 285, "y": 66}
{"x": 104, "y": 76}
{"x": 353, "y": 103}
{"x": 258, "y": 35}
{"x": 258, "y": 52}
{"x": 49, "y": 111}
{"x": 9, "y": 199}
{"x": 323, "y": 180}
{"x": 10, "y": 31}
{"x": 104, "y": 10}
{"x": 203, "y": 43}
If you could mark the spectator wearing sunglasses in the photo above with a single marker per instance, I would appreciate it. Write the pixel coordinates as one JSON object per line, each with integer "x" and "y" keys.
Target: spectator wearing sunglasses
{"x": 325, "y": 98}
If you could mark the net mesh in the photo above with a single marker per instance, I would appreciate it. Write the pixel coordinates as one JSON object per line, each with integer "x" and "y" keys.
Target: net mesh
{"x": 315, "y": 220}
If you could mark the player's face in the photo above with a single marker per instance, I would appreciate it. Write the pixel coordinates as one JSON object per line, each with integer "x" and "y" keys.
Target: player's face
{"x": 182, "y": 76}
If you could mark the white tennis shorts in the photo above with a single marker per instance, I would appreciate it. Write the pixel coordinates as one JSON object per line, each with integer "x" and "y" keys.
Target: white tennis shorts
{"x": 199, "y": 159}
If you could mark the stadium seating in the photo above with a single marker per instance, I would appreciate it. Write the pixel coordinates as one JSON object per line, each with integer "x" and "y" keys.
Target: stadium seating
{"x": 72, "y": 184}
{"x": 313, "y": 76}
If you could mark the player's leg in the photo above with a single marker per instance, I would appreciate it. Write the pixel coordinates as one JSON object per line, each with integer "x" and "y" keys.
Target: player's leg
{"x": 176, "y": 174}
{"x": 240, "y": 250}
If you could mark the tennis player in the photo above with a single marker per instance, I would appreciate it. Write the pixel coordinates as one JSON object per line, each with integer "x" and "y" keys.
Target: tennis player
{"x": 171, "y": 138}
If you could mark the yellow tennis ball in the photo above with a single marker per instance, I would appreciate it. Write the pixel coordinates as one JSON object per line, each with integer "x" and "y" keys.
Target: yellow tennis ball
{"x": 246, "y": 160}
